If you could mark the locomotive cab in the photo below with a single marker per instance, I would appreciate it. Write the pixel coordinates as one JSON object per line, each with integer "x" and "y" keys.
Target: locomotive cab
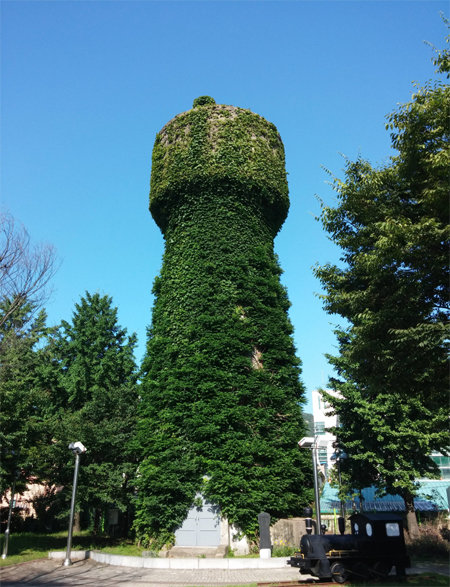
{"x": 377, "y": 526}
{"x": 375, "y": 545}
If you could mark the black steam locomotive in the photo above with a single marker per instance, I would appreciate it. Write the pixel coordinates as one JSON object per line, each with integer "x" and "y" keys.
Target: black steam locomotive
{"x": 375, "y": 545}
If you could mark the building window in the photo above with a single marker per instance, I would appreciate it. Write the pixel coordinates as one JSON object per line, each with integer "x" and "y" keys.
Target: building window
{"x": 322, "y": 455}
{"x": 319, "y": 427}
{"x": 443, "y": 462}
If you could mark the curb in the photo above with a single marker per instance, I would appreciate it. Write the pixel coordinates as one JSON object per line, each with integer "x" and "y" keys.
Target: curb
{"x": 173, "y": 563}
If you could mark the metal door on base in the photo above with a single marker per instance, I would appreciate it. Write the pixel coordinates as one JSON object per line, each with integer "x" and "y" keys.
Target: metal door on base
{"x": 201, "y": 526}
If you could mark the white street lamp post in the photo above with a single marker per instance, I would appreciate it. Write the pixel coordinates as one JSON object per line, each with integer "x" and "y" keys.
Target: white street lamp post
{"x": 338, "y": 456}
{"x": 77, "y": 448}
{"x": 8, "y": 524}
{"x": 312, "y": 443}
{"x": 316, "y": 486}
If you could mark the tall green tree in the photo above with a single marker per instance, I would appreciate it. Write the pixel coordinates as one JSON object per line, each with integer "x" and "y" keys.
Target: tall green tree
{"x": 95, "y": 400}
{"x": 392, "y": 226}
{"x": 221, "y": 396}
{"x": 23, "y": 399}
{"x": 25, "y": 271}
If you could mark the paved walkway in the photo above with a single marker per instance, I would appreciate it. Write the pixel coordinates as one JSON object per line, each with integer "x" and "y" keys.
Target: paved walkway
{"x": 90, "y": 573}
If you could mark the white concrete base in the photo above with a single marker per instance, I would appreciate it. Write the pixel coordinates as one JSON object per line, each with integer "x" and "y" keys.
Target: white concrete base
{"x": 265, "y": 553}
{"x": 75, "y": 555}
{"x": 176, "y": 563}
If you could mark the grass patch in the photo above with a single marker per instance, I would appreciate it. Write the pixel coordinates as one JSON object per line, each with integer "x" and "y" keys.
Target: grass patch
{"x": 231, "y": 554}
{"x": 26, "y": 546}
{"x": 125, "y": 548}
{"x": 425, "y": 580}
{"x": 428, "y": 580}
{"x": 15, "y": 559}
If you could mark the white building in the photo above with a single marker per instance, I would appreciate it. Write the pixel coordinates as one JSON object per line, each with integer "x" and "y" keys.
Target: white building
{"x": 322, "y": 421}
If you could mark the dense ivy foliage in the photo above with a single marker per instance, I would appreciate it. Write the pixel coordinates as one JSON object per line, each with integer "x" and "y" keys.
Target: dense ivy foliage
{"x": 215, "y": 143}
{"x": 221, "y": 395}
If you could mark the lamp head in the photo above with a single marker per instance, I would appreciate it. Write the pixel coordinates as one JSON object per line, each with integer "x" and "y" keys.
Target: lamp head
{"x": 77, "y": 448}
{"x": 306, "y": 442}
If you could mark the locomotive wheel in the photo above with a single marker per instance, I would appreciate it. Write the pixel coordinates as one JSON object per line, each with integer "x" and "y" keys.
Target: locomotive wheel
{"x": 339, "y": 573}
{"x": 380, "y": 569}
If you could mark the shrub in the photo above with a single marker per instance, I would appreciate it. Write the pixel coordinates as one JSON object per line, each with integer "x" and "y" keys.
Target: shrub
{"x": 281, "y": 548}
{"x": 203, "y": 100}
{"x": 445, "y": 533}
{"x": 429, "y": 543}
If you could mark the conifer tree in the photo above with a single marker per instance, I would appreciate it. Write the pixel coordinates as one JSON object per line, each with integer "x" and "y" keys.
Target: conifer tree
{"x": 25, "y": 271}
{"x": 94, "y": 401}
{"x": 24, "y": 401}
{"x": 221, "y": 396}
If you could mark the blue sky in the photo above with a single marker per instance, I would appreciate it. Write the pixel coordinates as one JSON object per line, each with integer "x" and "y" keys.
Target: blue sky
{"x": 86, "y": 86}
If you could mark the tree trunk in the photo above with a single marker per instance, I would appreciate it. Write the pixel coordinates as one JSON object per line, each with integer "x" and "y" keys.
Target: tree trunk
{"x": 124, "y": 521}
{"x": 76, "y": 522}
{"x": 97, "y": 520}
{"x": 411, "y": 519}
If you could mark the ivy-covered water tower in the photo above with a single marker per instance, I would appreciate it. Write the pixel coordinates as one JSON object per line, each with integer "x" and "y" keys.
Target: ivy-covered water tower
{"x": 220, "y": 412}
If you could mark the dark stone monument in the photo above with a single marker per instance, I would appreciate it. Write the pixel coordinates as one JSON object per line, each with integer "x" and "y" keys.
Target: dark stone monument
{"x": 265, "y": 545}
